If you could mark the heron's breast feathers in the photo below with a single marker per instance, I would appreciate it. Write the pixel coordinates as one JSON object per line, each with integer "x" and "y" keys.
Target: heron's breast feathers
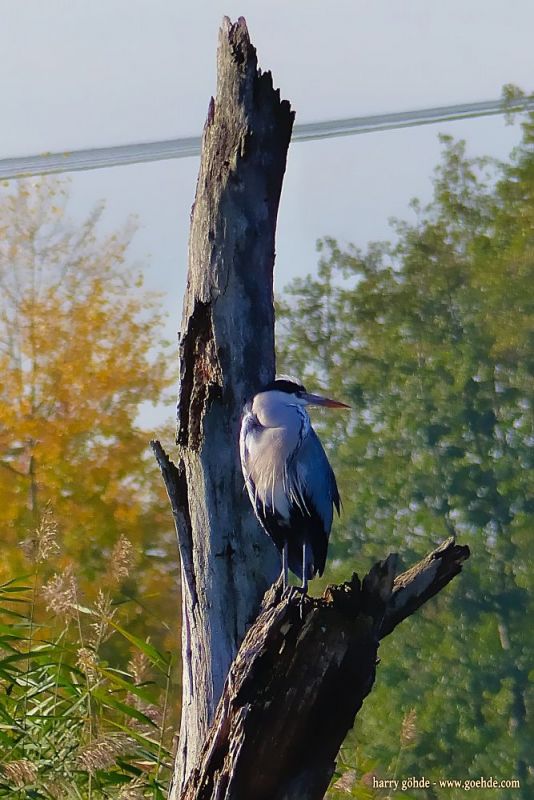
{"x": 277, "y": 472}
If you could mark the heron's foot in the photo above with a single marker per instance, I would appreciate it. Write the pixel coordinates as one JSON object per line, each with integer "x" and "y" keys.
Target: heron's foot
{"x": 303, "y": 595}
{"x": 303, "y": 592}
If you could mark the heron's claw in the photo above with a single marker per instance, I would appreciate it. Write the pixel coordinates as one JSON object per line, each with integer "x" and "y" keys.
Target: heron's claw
{"x": 303, "y": 591}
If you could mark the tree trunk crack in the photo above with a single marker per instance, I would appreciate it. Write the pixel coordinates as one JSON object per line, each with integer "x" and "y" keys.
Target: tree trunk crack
{"x": 200, "y": 376}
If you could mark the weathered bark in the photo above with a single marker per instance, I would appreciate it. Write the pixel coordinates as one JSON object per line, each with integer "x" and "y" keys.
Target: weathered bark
{"x": 226, "y": 354}
{"x": 300, "y": 678}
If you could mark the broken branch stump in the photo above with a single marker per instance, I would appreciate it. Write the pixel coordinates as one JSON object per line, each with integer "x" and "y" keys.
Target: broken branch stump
{"x": 300, "y": 678}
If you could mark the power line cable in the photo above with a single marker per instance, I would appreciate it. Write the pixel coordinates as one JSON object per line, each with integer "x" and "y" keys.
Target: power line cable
{"x": 102, "y": 157}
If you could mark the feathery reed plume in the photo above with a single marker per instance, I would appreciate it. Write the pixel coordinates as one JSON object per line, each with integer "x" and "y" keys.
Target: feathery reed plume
{"x": 101, "y": 630}
{"x": 60, "y": 594}
{"x": 43, "y": 543}
{"x": 103, "y": 752}
{"x": 87, "y": 661}
{"x": 134, "y": 790}
{"x": 20, "y": 772}
{"x": 139, "y": 667}
{"x": 154, "y": 713}
{"x": 346, "y": 782}
{"x": 56, "y": 790}
{"x": 408, "y": 733}
{"x": 122, "y": 558}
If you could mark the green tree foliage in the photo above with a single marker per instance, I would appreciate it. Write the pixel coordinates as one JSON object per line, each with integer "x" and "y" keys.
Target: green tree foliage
{"x": 431, "y": 340}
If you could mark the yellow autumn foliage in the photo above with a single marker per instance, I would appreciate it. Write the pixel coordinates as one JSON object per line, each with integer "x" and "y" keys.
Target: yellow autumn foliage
{"x": 79, "y": 354}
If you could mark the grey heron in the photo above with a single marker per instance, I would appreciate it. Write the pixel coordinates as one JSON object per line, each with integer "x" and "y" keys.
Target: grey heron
{"x": 289, "y": 480}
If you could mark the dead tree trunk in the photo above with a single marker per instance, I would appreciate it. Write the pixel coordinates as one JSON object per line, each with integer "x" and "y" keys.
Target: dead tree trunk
{"x": 300, "y": 678}
{"x": 286, "y": 706}
{"x": 226, "y": 354}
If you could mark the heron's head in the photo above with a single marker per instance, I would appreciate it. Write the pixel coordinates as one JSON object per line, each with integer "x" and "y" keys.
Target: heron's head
{"x": 291, "y": 392}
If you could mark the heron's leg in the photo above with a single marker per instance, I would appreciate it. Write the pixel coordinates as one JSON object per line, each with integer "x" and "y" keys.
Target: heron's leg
{"x": 304, "y": 567}
{"x": 285, "y": 571}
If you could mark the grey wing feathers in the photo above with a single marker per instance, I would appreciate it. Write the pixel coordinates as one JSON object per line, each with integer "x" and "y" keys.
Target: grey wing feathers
{"x": 318, "y": 493}
{"x": 317, "y": 478}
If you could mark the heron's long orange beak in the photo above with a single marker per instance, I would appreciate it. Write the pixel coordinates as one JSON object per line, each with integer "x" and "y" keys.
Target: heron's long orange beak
{"x": 319, "y": 400}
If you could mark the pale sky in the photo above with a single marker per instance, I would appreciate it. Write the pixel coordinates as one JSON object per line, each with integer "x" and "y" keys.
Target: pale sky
{"x": 82, "y": 73}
